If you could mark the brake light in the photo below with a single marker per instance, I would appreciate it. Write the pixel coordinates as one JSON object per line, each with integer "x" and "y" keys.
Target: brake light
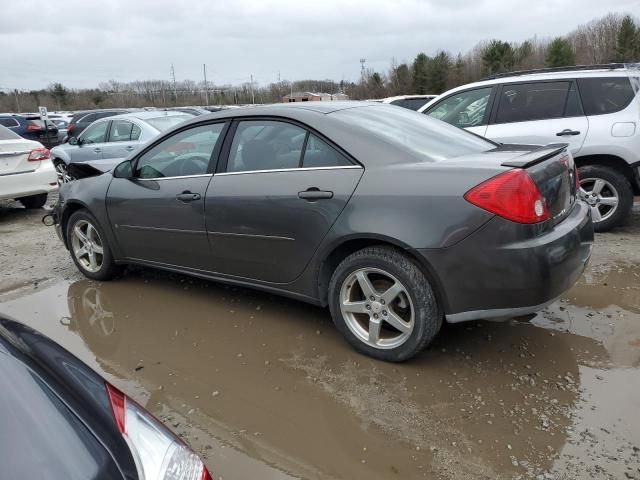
{"x": 158, "y": 453}
{"x": 33, "y": 127}
{"x": 69, "y": 128}
{"x": 511, "y": 195}
{"x": 39, "y": 154}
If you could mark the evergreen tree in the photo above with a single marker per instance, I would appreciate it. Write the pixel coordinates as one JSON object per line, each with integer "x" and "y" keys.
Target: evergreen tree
{"x": 438, "y": 72}
{"x": 420, "y": 73}
{"x": 497, "y": 57}
{"x": 628, "y": 41}
{"x": 560, "y": 53}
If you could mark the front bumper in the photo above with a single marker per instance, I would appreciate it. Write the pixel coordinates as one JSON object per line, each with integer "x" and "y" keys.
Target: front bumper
{"x": 506, "y": 270}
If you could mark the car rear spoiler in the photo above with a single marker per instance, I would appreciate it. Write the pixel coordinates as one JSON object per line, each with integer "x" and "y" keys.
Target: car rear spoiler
{"x": 533, "y": 157}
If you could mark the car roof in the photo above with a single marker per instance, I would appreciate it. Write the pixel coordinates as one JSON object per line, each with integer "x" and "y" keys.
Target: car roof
{"x": 147, "y": 114}
{"x": 408, "y": 97}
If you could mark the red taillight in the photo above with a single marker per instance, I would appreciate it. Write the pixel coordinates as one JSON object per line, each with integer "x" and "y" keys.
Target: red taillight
{"x": 33, "y": 127}
{"x": 69, "y": 128}
{"x": 39, "y": 154}
{"x": 116, "y": 399}
{"x": 577, "y": 175}
{"x": 511, "y": 195}
{"x": 158, "y": 453}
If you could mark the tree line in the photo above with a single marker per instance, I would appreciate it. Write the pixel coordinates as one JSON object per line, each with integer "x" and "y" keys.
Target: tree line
{"x": 612, "y": 38}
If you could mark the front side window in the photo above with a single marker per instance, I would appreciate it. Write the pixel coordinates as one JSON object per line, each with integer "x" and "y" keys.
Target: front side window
{"x": 120, "y": 131}
{"x": 464, "y": 109}
{"x": 95, "y": 133}
{"x": 183, "y": 154}
{"x": 319, "y": 153}
{"x": 605, "y": 95}
{"x": 532, "y": 101}
{"x": 265, "y": 145}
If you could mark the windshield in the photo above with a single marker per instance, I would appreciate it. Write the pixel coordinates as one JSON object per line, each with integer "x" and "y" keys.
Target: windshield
{"x": 166, "y": 122}
{"x": 416, "y": 133}
{"x": 6, "y": 134}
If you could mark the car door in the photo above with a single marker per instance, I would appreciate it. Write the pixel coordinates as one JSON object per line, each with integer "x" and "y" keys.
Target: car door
{"x": 158, "y": 212}
{"x": 124, "y": 136}
{"x": 278, "y": 191}
{"x": 468, "y": 109}
{"x": 90, "y": 142}
{"x": 539, "y": 113}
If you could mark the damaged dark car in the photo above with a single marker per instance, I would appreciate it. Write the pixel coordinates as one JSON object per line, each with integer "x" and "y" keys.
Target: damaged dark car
{"x": 395, "y": 221}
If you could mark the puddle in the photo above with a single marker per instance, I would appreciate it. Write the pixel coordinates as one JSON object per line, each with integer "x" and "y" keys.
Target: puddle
{"x": 264, "y": 387}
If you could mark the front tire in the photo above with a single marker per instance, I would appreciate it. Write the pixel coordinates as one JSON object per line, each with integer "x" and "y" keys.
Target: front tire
{"x": 383, "y": 304}
{"x": 89, "y": 248}
{"x": 608, "y": 193}
{"x": 34, "y": 201}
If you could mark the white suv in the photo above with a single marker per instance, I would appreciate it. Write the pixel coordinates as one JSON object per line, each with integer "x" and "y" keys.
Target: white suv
{"x": 595, "y": 109}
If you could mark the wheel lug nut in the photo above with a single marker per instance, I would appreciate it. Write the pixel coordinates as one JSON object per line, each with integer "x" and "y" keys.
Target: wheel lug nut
{"x": 382, "y": 302}
{"x": 375, "y": 315}
{"x": 384, "y": 312}
{"x": 372, "y": 298}
{"x": 368, "y": 307}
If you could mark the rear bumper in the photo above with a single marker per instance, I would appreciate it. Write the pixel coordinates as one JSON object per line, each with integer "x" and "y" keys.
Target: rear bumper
{"x": 506, "y": 270}
{"x": 42, "y": 180}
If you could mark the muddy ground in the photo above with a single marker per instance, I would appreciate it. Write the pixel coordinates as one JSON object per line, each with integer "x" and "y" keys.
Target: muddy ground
{"x": 264, "y": 387}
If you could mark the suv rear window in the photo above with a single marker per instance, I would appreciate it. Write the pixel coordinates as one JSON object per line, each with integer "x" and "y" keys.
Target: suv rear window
{"x": 605, "y": 95}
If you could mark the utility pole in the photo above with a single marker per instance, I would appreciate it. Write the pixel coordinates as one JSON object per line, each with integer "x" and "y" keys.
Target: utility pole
{"x": 362, "y": 62}
{"x": 15, "y": 91}
{"x": 206, "y": 86}
{"x": 173, "y": 78}
{"x": 253, "y": 97}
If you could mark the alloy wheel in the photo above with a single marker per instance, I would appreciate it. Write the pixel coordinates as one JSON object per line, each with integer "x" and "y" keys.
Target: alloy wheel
{"x": 377, "y": 308}
{"x": 62, "y": 173}
{"x": 87, "y": 246}
{"x": 602, "y": 197}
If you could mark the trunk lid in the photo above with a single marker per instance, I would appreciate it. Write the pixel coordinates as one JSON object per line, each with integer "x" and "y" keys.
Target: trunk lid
{"x": 14, "y": 156}
{"x": 552, "y": 169}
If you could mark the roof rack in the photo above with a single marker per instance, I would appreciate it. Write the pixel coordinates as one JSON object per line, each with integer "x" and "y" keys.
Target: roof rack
{"x": 603, "y": 66}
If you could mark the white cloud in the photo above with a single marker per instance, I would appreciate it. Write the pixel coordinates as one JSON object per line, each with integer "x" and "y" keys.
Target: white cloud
{"x": 82, "y": 43}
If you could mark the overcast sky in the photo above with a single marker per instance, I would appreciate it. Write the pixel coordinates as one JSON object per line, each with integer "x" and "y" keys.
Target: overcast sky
{"x": 83, "y": 43}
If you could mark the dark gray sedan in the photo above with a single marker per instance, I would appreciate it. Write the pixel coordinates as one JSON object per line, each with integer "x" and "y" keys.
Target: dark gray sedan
{"x": 393, "y": 220}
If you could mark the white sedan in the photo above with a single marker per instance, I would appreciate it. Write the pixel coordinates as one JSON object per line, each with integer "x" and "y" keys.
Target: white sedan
{"x": 26, "y": 171}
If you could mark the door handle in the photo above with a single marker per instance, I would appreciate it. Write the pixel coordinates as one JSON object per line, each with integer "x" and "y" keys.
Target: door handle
{"x": 567, "y": 132}
{"x": 129, "y": 148}
{"x": 188, "y": 197}
{"x": 312, "y": 194}
{"x": 97, "y": 150}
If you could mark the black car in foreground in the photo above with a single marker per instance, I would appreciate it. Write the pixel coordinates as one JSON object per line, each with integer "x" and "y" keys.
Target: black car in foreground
{"x": 394, "y": 220}
{"x": 32, "y": 128}
{"x": 61, "y": 420}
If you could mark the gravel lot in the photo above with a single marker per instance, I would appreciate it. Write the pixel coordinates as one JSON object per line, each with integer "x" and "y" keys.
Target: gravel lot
{"x": 263, "y": 387}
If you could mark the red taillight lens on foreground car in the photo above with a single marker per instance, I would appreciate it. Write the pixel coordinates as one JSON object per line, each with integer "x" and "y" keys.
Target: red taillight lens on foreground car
{"x": 158, "y": 453}
{"x": 511, "y": 195}
{"x": 39, "y": 154}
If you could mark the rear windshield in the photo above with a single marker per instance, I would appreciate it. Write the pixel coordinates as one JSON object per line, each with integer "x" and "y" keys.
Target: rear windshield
{"x": 416, "y": 133}
{"x": 6, "y": 134}
{"x": 605, "y": 95}
{"x": 165, "y": 123}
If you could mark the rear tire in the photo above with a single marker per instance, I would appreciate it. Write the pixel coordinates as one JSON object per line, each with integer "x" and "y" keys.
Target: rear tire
{"x": 398, "y": 317}
{"x": 89, "y": 248}
{"x": 604, "y": 183}
{"x": 34, "y": 201}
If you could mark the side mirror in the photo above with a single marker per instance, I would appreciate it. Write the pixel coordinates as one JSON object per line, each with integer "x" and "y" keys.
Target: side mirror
{"x": 123, "y": 170}
{"x": 73, "y": 141}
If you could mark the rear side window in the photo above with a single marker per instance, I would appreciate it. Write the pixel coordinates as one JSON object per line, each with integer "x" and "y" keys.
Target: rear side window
{"x": 605, "y": 95}
{"x": 319, "y": 153}
{"x": 92, "y": 117}
{"x": 573, "y": 108}
{"x": 120, "y": 131}
{"x": 9, "y": 122}
{"x": 6, "y": 134}
{"x": 532, "y": 101}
